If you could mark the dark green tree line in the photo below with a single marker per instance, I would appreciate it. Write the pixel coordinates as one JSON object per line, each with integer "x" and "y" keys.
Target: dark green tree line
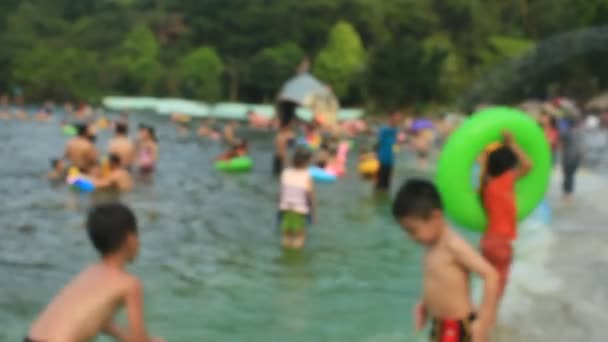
{"x": 378, "y": 54}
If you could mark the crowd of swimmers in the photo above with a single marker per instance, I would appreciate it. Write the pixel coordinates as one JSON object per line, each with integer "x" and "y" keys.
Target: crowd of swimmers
{"x": 85, "y": 307}
{"x": 125, "y": 157}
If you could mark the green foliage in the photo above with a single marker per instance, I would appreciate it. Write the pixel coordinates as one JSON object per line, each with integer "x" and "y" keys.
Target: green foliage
{"x": 200, "y": 73}
{"x": 342, "y": 58}
{"x": 420, "y": 51}
{"x": 271, "y": 66}
{"x": 137, "y": 59}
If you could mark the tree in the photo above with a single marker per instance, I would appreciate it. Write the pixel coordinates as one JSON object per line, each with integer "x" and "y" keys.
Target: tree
{"x": 342, "y": 58}
{"x": 272, "y": 66}
{"x": 138, "y": 59}
{"x": 200, "y": 73}
{"x": 403, "y": 73}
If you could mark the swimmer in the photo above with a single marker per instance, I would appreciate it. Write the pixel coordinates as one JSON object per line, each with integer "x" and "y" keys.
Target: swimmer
{"x": 118, "y": 177}
{"x": 45, "y": 113}
{"x": 84, "y": 111}
{"x": 206, "y": 131}
{"x": 239, "y": 150}
{"x": 80, "y": 151}
{"x": 85, "y": 307}
{"x": 296, "y": 200}
{"x": 422, "y": 145}
{"x": 281, "y": 148}
{"x": 504, "y": 166}
{"x": 258, "y": 122}
{"x": 121, "y": 145}
{"x": 229, "y": 133}
{"x": 448, "y": 263}
{"x": 147, "y": 151}
{"x": 58, "y": 171}
{"x": 21, "y": 114}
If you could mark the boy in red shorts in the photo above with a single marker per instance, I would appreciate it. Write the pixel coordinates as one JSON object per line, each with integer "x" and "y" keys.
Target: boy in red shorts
{"x": 505, "y": 165}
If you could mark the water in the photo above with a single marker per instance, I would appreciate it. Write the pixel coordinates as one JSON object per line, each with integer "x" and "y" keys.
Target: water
{"x": 210, "y": 260}
{"x": 213, "y": 270}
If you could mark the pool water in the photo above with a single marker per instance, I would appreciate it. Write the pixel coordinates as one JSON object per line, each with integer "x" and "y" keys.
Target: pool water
{"x": 211, "y": 262}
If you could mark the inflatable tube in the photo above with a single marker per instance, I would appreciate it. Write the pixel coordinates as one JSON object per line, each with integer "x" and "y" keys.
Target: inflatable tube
{"x": 83, "y": 185}
{"x": 369, "y": 167}
{"x": 69, "y": 130}
{"x": 460, "y": 199}
{"x": 239, "y": 164}
{"x": 320, "y": 175}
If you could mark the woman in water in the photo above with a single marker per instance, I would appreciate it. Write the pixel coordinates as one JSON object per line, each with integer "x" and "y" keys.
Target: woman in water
{"x": 147, "y": 151}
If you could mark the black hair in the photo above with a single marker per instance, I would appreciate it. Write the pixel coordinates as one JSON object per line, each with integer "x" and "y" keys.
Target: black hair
{"x": 121, "y": 128}
{"x": 109, "y": 225}
{"x": 55, "y": 162}
{"x": 114, "y": 159}
{"x": 417, "y": 198}
{"x": 82, "y": 130}
{"x": 301, "y": 157}
{"x": 152, "y": 133}
{"x": 500, "y": 161}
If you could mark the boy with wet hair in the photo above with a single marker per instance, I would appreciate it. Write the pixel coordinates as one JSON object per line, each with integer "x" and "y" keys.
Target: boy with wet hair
{"x": 448, "y": 262}
{"x": 86, "y": 306}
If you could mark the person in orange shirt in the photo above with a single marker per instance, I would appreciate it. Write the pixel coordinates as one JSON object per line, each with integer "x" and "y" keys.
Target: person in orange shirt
{"x": 505, "y": 164}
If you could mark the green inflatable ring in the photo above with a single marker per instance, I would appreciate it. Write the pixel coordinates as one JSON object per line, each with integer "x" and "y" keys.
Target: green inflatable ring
{"x": 235, "y": 164}
{"x": 460, "y": 200}
{"x": 69, "y": 130}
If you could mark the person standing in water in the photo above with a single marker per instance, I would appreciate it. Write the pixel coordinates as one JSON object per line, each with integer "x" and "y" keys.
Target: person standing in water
{"x": 296, "y": 200}
{"x": 118, "y": 178}
{"x": 387, "y": 137}
{"x": 85, "y": 307}
{"x": 281, "y": 149}
{"x": 448, "y": 263}
{"x": 147, "y": 151}
{"x": 572, "y": 155}
{"x": 80, "y": 151}
{"x": 229, "y": 133}
{"x": 121, "y": 145}
{"x": 504, "y": 166}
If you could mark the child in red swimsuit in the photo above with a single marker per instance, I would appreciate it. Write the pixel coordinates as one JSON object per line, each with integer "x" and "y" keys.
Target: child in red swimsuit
{"x": 505, "y": 165}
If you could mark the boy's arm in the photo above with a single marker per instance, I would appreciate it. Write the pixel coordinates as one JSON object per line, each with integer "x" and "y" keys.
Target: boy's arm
{"x": 116, "y": 332}
{"x": 135, "y": 313}
{"x": 474, "y": 262}
{"x": 525, "y": 163}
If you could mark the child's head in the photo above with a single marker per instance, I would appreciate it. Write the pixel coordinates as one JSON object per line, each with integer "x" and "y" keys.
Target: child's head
{"x": 301, "y": 158}
{"x": 112, "y": 228}
{"x": 395, "y": 118}
{"x": 419, "y": 210}
{"x": 121, "y": 128}
{"x": 82, "y": 130}
{"x": 114, "y": 160}
{"x": 57, "y": 164}
{"x": 500, "y": 161}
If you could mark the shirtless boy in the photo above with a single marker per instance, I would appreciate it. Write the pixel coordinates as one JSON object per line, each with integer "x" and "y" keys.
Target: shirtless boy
{"x": 80, "y": 151}
{"x": 448, "y": 263}
{"x": 118, "y": 179}
{"x": 86, "y": 306}
{"x": 121, "y": 145}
